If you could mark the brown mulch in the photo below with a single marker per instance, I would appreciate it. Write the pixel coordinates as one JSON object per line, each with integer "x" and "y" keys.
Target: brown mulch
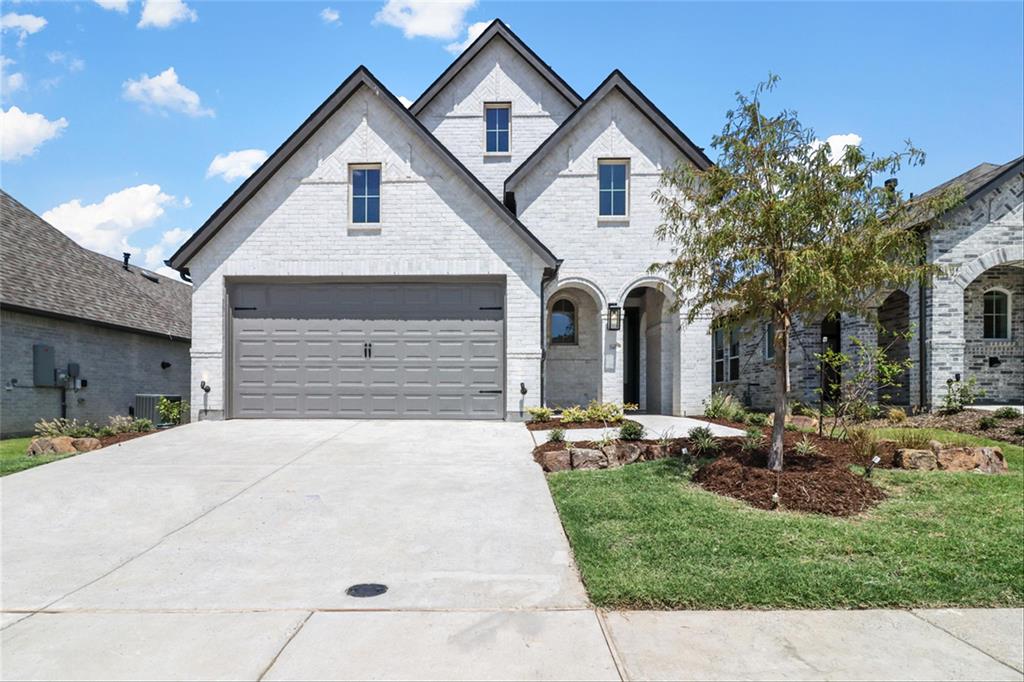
{"x": 557, "y": 424}
{"x": 120, "y": 438}
{"x": 961, "y": 422}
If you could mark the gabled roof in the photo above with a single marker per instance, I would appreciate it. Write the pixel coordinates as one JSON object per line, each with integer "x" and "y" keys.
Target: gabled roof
{"x": 972, "y": 183}
{"x": 45, "y": 272}
{"x": 361, "y": 77}
{"x": 616, "y": 81}
{"x": 497, "y": 29}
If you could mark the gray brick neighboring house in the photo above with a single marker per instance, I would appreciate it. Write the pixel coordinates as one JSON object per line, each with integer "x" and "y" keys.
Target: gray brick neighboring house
{"x": 127, "y": 329}
{"x": 969, "y": 323}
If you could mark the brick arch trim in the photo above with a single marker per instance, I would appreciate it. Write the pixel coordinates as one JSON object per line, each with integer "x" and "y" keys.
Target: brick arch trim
{"x": 968, "y": 272}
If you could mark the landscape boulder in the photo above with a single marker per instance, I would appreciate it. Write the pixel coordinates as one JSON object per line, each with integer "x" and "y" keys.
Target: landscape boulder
{"x": 984, "y": 460}
{"x": 802, "y": 421}
{"x": 587, "y": 458}
{"x": 921, "y": 460}
{"x": 555, "y": 460}
{"x": 621, "y": 453}
{"x": 60, "y": 445}
{"x": 86, "y": 444}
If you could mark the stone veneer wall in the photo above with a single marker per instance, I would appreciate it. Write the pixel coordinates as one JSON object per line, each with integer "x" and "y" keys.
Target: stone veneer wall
{"x": 1005, "y": 382}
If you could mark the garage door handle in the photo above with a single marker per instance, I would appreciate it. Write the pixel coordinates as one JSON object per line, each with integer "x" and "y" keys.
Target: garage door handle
{"x": 490, "y": 307}
{"x": 245, "y": 307}
{"x": 498, "y": 391}
{"x": 367, "y": 350}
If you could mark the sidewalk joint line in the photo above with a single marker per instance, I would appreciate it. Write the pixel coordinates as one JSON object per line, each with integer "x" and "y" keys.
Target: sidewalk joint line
{"x": 620, "y": 667}
{"x": 914, "y": 613}
{"x": 284, "y": 646}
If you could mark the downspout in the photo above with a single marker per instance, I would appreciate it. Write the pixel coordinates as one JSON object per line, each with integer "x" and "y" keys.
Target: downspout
{"x": 922, "y": 348}
{"x": 549, "y": 275}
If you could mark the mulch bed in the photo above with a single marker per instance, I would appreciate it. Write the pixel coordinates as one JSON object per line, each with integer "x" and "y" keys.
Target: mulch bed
{"x": 961, "y": 422}
{"x": 120, "y": 438}
{"x": 557, "y": 424}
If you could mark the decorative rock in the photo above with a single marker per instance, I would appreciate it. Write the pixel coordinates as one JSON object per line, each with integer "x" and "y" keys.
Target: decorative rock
{"x": 61, "y": 445}
{"x": 992, "y": 461}
{"x": 555, "y": 460}
{"x": 86, "y": 444}
{"x": 652, "y": 451}
{"x": 957, "y": 459}
{"x": 802, "y": 421}
{"x": 585, "y": 458}
{"x": 621, "y": 453}
{"x": 935, "y": 446}
{"x": 922, "y": 460}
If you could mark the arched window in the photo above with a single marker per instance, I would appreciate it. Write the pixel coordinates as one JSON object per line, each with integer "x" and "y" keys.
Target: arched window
{"x": 996, "y": 315}
{"x": 563, "y": 322}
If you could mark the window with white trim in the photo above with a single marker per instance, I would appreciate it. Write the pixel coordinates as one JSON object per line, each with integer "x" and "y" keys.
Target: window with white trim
{"x": 613, "y": 187}
{"x": 365, "y": 194}
{"x": 726, "y": 354}
{"x": 563, "y": 323}
{"x": 497, "y": 127}
{"x": 996, "y": 315}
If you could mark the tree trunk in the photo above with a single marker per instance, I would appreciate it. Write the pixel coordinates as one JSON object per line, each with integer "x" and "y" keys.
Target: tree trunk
{"x": 781, "y": 343}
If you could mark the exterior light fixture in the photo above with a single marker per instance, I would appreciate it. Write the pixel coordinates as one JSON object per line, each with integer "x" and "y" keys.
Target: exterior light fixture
{"x": 205, "y": 386}
{"x": 614, "y": 317}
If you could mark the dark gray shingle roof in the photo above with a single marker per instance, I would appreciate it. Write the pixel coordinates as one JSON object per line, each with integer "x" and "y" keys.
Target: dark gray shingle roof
{"x": 41, "y": 269}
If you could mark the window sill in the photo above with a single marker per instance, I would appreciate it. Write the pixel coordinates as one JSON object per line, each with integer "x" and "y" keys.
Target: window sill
{"x": 497, "y": 155}
{"x": 614, "y": 220}
{"x": 357, "y": 229}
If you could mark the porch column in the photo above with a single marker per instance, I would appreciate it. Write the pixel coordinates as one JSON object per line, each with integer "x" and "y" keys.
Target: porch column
{"x": 691, "y": 381}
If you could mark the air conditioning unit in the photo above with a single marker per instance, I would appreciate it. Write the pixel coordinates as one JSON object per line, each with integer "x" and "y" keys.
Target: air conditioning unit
{"x": 145, "y": 405}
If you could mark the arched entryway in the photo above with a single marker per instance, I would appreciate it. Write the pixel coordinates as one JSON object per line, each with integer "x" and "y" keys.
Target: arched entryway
{"x": 572, "y": 347}
{"x": 994, "y": 333}
{"x": 649, "y": 338}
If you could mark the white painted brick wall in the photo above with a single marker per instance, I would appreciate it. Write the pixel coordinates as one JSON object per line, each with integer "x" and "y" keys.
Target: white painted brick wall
{"x": 431, "y": 224}
{"x": 558, "y": 201}
{"x": 496, "y": 74}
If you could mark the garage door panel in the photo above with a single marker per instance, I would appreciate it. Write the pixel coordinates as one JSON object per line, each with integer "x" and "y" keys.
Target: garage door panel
{"x": 368, "y": 349}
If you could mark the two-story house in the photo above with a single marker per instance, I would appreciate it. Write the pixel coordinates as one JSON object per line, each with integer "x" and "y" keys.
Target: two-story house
{"x": 482, "y": 251}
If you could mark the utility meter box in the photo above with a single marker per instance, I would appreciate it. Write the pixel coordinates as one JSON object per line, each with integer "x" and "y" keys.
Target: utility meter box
{"x": 42, "y": 365}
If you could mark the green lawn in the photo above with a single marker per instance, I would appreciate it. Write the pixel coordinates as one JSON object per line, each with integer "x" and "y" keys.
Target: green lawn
{"x": 13, "y": 457}
{"x": 645, "y": 536}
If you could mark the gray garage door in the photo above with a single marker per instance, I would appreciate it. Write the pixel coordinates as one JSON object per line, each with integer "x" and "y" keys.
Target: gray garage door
{"x": 396, "y": 350}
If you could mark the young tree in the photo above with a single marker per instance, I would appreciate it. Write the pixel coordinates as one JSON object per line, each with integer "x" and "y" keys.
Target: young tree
{"x": 782, "y": 227}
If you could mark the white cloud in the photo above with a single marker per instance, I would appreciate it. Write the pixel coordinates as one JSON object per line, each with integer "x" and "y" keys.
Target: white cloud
{"x": 405, "y": 101}
{"x": 73, "y": 63}
{"x": 472, "y": 33}
{"x": 9, "y": 81}
{"x": 165, "y": 13}
{"x": 24, "y": 24}
{"x": 21, "y": 133}
{"x": 164, "y": 93}
{"x": 115, "y": 5}
{"x": 428, "y": 18}
{"x": 837, "y": 144}
{"x": 330, "y": 16}
{"x": 236, "y": 165}
{"x": 156, "y": 254}
{"x": 106, "y": 226}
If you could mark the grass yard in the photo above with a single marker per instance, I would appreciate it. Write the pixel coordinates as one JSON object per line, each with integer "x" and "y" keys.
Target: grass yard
{"x": 14, "y": 459}
{"x": 646, "y": 537}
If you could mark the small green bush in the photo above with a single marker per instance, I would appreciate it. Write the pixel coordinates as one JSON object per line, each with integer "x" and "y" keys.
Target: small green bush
{"x": 896, "y": 415}
{"x": 862, "y": 440}
{"x": 757, "y": 419}
{"x": 790, "y": 426}
{"x": 753, "y": 439}
{"x": 987, "y": 422}
{"x": 171, "y": 411}
{"x": 574, "y": 415}
{"x": 960, "y": 394}
{"x": 805, "y": 447}
{"x": 912, "y": 439}
{"x": 1019, "y": 430}
{"x": 703, "y": 441}
{"x": 631, "y": 431}
{"x": 556, "y": 435}
{"x": 540, "y": 414}
{"x": 605, "y": 412}
{"x": 724, "y": 406}
{"x": 141, "y": 426}
{"x": 800, "y": 409}
{"x": 1007, "y": 413}
{"x": 65, "y": 427}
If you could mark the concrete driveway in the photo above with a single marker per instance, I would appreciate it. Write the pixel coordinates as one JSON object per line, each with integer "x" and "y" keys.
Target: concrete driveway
{"x": 220, "y": 539}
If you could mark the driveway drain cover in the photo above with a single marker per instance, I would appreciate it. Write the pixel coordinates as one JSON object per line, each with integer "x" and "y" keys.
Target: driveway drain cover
{"x": 366, "y": 590}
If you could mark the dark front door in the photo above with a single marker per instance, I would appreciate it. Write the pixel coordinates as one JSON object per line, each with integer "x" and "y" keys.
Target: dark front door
{"x": 830, "y": 330}
{"x": 631, "y": 356}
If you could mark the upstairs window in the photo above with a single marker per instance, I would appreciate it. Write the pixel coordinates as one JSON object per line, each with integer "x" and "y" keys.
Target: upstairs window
{"x": 366, "y": 194}
{"x": 497, "y": 127}
{"x": 997, "y": 315}
{"x": 613, "y": 177}
{"x": 563, "y": 323}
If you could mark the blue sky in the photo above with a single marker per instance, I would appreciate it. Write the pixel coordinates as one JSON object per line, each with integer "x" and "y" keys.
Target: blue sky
{"x": 120, "y": 150}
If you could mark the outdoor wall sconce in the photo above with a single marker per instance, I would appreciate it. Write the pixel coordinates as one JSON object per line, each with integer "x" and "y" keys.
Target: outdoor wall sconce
{"x": 205, "y": 386}
{"x": 164, "y": 364}
{"x": 614, "y": 317}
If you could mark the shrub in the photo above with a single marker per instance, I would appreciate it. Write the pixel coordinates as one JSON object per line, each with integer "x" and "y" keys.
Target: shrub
{"x": 142, "y": 425}
{"x": 574, "y": 415}
{"x": 556, "y": 435}
{"x": 703, "y": 441}
{"x": 631, "y": 431}
{"x": 896, "y": 415}
{"x": 723, "y": 406}
{"x": 120, "y": 424}
{"x": 987, "y": 422}
{"x": 65, "y": 427}
{"x": 800, "y": 409}
{"x": 790, "y": 426}
{"x": 752, "y": 440}
{"x": 605, "y": 412}
{"x": 757, "y": 419}
{"x": 1018, "y": 430}
{"x": 863, "y": 441}
{"x": 605, "y": 440}
{"x": 666, "y": 437}
{"x": 105, "y": 431}
{"x": 1006, "y": 413}
{"x": 805, "y": 447}
{"x": 960, "y": 394}
{"x": 171, "y": 411}
{"x": 540, "y": 414}
{"x": 912, "y": 439}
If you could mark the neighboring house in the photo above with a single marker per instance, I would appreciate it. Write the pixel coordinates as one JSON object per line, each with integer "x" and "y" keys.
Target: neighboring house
{"x": 483, "y": 251}
{"x": 82, "y": 334}
{"x": 970, "y": 324}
